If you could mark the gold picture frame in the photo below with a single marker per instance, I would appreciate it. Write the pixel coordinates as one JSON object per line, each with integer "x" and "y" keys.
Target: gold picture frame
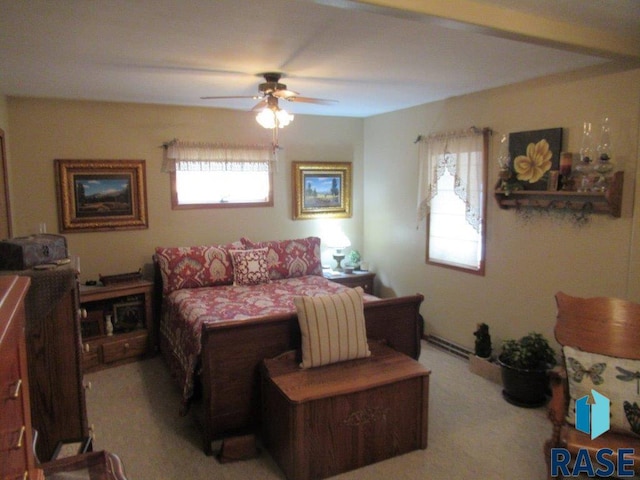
{"x": 321, "y": 190}
{"x": 101, "y": 195}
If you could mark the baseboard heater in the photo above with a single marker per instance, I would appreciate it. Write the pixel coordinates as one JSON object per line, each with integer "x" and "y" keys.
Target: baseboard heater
{"x": 449, "y": 346}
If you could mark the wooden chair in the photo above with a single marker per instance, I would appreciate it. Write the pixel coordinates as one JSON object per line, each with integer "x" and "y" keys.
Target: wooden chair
{"x": 604, "y": 326}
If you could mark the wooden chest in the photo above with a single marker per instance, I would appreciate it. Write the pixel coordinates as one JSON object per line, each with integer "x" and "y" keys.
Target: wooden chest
{"x": 323, "y": 421}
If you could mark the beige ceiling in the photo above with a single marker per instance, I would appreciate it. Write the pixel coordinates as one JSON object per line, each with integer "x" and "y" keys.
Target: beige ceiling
{"x": 371, "y": 56}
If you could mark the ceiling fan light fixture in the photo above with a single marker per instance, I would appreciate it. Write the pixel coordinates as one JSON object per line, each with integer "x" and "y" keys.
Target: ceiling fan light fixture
{"x": 274, "y": 117}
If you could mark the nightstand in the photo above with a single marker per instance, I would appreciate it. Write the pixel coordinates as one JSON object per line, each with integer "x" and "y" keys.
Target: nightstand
{"x": 127, "y": 307}
{"x": 355, "y": 279}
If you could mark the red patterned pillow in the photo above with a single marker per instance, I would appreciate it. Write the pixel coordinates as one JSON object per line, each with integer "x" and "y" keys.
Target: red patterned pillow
{"x": 194, "y": 267}
{"x": 290, "y": 258}
{"x": 250, "y": 266}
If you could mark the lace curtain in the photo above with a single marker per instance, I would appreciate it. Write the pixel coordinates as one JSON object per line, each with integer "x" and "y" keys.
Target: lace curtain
{"x": 207, "y": 157}
{"x": 461, "y": 154}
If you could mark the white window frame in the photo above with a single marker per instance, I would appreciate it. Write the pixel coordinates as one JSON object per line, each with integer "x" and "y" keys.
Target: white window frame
{"x": 219, "y": 175}
{"x": 441, "y": 200}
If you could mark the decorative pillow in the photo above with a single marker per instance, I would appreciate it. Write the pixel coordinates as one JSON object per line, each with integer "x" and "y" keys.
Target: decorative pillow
{"x": 333, "y": 328}
{"x": 250, "y": 266}
{"x": 618, "y": 379}
{"x": 291, "y": 258}
{"x": 193, "y": 267}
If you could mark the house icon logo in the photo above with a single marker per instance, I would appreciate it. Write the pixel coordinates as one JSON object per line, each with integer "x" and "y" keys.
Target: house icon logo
{"x": 592, "y": 414}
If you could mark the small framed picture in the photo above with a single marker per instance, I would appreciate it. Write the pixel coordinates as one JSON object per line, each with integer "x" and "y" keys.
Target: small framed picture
{"x": 128, "y": 316}
{"x": 321, "y": 189}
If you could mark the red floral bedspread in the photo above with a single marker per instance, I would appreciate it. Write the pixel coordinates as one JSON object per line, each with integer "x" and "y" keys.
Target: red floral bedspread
{"x": 187, "y": 310}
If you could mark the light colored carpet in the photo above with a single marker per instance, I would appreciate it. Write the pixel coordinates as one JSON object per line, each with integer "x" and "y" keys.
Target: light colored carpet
{"x": 473, "y": 432}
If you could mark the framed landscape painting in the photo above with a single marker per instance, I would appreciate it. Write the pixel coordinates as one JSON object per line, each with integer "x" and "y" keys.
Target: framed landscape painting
{"x": 321, "y": 189}
{"x": 99, "y": 195}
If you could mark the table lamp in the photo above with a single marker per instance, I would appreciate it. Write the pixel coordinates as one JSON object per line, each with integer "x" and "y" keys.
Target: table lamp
{"x": 339, "y": 242}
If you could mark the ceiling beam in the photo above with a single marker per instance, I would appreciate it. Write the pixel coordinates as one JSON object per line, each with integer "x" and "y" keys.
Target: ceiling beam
{"x": 504, "y": 23}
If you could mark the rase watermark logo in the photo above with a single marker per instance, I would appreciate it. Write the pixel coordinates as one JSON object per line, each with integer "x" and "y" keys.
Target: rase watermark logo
{"x": 592, "y": 417}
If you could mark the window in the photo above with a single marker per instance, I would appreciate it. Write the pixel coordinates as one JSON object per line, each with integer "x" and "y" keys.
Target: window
{"x": 453, "y": 171}
{"x": 220, "y": 189}
{"x": 210, "y": 175}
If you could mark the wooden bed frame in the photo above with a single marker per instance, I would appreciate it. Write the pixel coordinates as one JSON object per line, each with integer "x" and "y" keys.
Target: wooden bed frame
{"x": 232, "y": 354}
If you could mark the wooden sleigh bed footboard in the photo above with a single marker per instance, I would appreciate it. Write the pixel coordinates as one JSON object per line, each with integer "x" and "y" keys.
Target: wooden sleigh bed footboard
{"x": 232, "y": 352}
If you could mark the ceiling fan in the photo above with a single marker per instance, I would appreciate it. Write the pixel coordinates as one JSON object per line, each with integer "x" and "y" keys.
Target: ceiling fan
{"x": 270, "y": 92}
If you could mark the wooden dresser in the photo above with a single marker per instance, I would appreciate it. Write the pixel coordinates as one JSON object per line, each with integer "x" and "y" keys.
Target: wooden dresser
{"x": 16, "y": 455}
{"x": 17, "y": 459}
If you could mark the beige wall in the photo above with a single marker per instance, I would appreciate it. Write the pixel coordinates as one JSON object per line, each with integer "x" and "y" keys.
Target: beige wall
{"x": 4, "y": 115}
{"x": 527, "y": 261}
{"x": 43, "y": 130}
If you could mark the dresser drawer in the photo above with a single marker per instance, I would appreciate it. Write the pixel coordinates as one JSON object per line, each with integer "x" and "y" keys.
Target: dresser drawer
{"x": 12, "y": 393}
{"x": 15, "y": 434}
{"x": 131, "y": 346}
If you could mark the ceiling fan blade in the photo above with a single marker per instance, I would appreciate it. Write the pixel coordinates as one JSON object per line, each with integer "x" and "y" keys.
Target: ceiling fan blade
{"x": 319, "y": 101}
{"x": 255, "y": 97}
{"x": 261, "y": 104}
{"x": 285, "y": 94}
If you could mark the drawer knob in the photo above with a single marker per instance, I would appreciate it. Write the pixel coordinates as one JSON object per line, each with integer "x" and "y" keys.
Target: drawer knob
{"x": 126, "y": 346}
{"x": 15, "y": 394}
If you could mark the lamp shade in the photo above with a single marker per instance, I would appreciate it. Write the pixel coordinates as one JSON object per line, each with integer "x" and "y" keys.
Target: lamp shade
{"x": 338, "y": 240}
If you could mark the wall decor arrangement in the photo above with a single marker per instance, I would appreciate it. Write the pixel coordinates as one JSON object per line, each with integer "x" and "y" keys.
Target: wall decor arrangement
{"x": 534, "y": 155}
{"x": 321, "y": 189}
{"x": 101, "y": 195}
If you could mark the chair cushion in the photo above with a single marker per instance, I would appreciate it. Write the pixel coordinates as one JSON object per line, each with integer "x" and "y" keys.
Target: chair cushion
{"x": 618, "y": 379}
{"x": 250, "y": 266}
{"x": 332, "y": 327}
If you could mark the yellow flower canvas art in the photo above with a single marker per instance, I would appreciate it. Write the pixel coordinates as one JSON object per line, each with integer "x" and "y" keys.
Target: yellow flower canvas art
{"x": 535, "y": 153}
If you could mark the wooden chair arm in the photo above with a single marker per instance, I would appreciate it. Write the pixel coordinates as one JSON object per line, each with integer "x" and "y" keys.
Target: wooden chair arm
{"x": 559, "y": 403}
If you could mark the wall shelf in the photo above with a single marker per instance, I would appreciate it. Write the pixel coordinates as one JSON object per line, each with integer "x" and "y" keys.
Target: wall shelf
{"x": 595, "y": 202}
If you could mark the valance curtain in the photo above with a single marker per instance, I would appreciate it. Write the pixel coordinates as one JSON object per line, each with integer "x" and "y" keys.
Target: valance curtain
{"x": 207, "y": 157}
{"x": 461, "y": 154}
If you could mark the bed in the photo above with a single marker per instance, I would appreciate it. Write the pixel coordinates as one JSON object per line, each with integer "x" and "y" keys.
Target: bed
{"x": 225, "y": 308}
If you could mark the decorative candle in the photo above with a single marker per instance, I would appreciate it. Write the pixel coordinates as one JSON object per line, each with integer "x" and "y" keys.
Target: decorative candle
{"x": 566, "y": 160}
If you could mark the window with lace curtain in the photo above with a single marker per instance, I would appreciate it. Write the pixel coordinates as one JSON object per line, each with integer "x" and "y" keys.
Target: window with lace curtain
{"x": 207, "y": 175}
{"x": 452, "y": 198}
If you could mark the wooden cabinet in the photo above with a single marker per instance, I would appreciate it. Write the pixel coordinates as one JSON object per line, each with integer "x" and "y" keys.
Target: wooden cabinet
{"x": 16, "y": 455}
{"x": 52, "y": 333}
{"x": 117, "y": 323}
{"x": 590, "y": 202}
{"x": 356, "y": 279}
{"x": 319, "y": 422}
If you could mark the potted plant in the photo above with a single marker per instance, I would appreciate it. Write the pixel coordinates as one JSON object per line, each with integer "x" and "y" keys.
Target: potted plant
{"x": 524, "y": 366}
{"x": 353, "y": 259}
